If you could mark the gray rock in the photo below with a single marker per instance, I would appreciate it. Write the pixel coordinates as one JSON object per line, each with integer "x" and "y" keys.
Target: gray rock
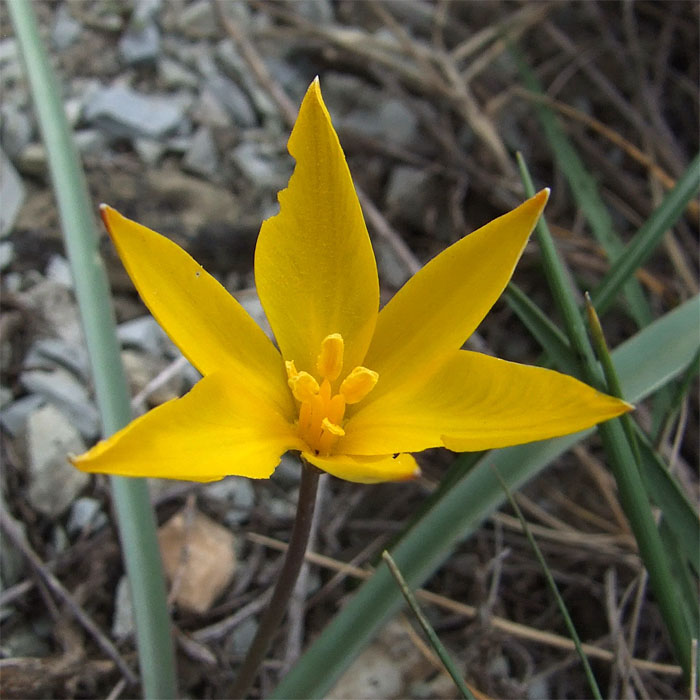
{"x": 61, "y": 388}
{"x": 174, "y": 75}
{"x": 123, "y": 112}
{"x": 317, "y": 11}
{"x": 407, "y": 192}
{"x": 233, "y": 99}
{"x": 46, "y": 353}
{"x": 7, "y": 254}
{"x": 392, "y": 271}
{"x": 141, "y": 43}
{"x": 55, "y": 305}
{"x": 242, "y": 636}
{"x": 6, "y": 396}
{"x": 58, "y": 270}
{"x": 211, "y": 112}
{"x": 202, "y": 156}
{"x": 145, "y": 10}
{"x": 11, "y": 195}
{"x": 150, "y": 151}
{"x": 24, "y": 642}
{"x": 13, "y": 416}
{"x": 85, "y": 513}
{"x": 198, "y": 21}
{"x": 234, "y": 493}
{"x": 15, "y": 128}
{"x": 66, "y": 30}
{"x": 33, "y": 160}
{"x": 145, "y": 334}
{"x": 123, "y": 620}
{"x": 54, "y": 483}
{"x": 261, "y": 165}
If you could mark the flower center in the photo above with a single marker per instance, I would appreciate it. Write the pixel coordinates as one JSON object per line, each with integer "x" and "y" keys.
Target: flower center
{"x": 321, "y": 412}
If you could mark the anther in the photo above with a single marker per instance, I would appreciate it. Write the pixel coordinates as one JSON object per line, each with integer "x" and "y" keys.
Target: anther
{"x": 330, "y": 360}
{"x": 358, "y": 384}
{"x": 303, "y": 386}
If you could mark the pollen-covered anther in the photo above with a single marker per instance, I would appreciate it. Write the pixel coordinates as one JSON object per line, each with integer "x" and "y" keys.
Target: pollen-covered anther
{"x": 303, "y": 386}
{"x": 358, "y": 384}
{"x": 330, "y": 360}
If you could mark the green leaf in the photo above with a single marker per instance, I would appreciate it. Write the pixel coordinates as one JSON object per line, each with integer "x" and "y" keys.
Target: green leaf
{"x": 644, "y": 363}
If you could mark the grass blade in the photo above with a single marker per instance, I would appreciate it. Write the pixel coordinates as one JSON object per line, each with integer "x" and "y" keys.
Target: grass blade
{"x": 643, "y": 363}
{"x": 648, "y": 237}
{"x": 134, "y": 513}
{"x": 427, "y": 628}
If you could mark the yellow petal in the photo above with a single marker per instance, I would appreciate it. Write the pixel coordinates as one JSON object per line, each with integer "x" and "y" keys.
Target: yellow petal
{"x": 211, "y": 328}
{"x": 435, "y": 312}
{"x": 367, "y": 470}
{"x": 220, "y": 427}
{"x": 477, "y": 402}
{"x": 314, "y": 265}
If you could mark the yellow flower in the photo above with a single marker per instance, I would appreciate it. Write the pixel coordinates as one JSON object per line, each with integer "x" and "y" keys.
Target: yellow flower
{"x": 352, "y": 388}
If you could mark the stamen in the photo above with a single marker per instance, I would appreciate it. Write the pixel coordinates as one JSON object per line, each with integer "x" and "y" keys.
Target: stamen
{"x": 303, "y": 386}
{"x": 358, "y": 384}
{"x": 330, "y": 360}
{"x": 291, "y": 369}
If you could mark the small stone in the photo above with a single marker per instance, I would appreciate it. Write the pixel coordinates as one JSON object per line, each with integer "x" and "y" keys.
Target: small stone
{"x": 197, "y": 21}
{"x": 33, "y": 160}
{"x": 373, "y": 675}
{"x": 150, "y": 151}
{"x": 210, "y": 111}
{"x": 7, "y": 254}
{"x": 6, "y": 396}
{"x": 233, "y": 99}
{"x": 11, "y": 195}
{"x": 242, "y": 637}
{"x": 57, "y": 309}
{"x": 123, "y": 112}
{"x": 202, "y": 157}
{"x": 141, "y": 368}
{"x": 46, "y": 353}
{"x": 66, "y": 30}
{"x": 141, "y": 43}
{"x": 24, "y": 642}
{"x": 198, "y": 556}
{"x": 234, "y": 494}
{"x": 174, "y": 75}
{"x": 15, "y": 129}
{"x": 54, "y": 482}
{"x": 85, "y": 513}
{"x": 13, "y": 416}
{"x": 259, "y": 166}
{"x": 145, "y": 334}
{"x": 61, "y": 388}
{"x": 58, "y": 270}
{"x": 123, "y": 620}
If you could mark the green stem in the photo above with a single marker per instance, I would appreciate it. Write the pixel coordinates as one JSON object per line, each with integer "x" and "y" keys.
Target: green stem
{"x": 444, "y": 655}
{"x": 135, "y": 518}
{"x": 286, "y": 580}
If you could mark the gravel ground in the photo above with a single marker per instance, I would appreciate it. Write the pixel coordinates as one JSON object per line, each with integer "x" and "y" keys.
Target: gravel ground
{"x": 181, "y": 112}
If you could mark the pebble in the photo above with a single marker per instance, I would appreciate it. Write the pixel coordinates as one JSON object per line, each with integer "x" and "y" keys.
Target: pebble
{"x": 123, "y": 112}
{"x": 15, "y": 129}
{"x": 174, "y": 75}
{"x": 234, "y": 494}
{"x": 209, "y": 110}
{"x": 242, "y": 637}
{"x": 198, "y": 21}
{"x": 57, "y": 309}
{"x": 46, "y": 353}
{"x": 62, "y": 389}
{"x": 150, "y": 151}
{"x": 233, "y": 99}
{"x": 86, "y": 513}
{"x": 13, "y": 416}
{"x": 7, "y": 254}
{"x": 205, "y": 568}
{"x": 54, "y": 483}
{"x": 66, "y": 29}
{"x": 58, "y": 270}
{"x": 202, "y": 157}
{"x": 11, "y": 194}
{"x": 374, "y": 675}
{"x": 123, "y": 620}
{"x": 145, "y": 334}
{"x": 260, "y": 166}
{"x": 140, "y": 44}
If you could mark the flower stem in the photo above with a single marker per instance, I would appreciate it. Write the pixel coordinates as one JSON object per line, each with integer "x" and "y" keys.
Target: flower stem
{"x": 272, "y": 617}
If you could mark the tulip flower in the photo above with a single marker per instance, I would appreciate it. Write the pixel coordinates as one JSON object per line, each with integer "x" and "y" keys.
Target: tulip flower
{"x": 354, "y": 389}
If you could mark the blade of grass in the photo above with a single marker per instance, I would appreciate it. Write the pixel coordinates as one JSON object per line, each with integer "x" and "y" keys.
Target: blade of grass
{"x": 592, "y": 683}
{"x": 619, "y": 441}
{"x": 648, "y": 237}
{"x": 427, "y": 628}
{"x": 644, "y": 363}
{"x": 583, "y": 188}
{"x": 134, "y": 513}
